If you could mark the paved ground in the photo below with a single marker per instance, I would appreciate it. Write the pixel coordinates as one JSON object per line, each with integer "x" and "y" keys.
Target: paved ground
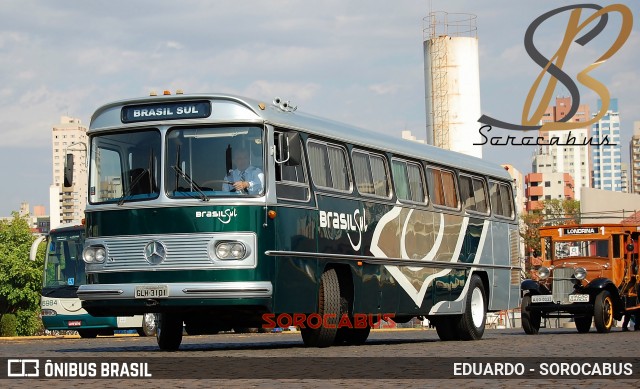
{"x": 399, "y": 358}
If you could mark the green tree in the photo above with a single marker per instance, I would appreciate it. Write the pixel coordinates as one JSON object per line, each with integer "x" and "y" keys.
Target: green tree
{"x": 558, "y": 212}
{"x": 553, "y": 212}
{"x": 531, "y": 222}
{"x": 20, "y": 278}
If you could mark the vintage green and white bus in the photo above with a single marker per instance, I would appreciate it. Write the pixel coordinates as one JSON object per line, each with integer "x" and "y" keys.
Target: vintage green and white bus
{"x": 64, "y": 272}
{"x": 335, "y": 222}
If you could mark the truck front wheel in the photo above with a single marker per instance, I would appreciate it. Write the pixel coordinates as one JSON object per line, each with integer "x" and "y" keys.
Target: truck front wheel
{"x": 530, "y": 320}
{"x": 603, "y": 312}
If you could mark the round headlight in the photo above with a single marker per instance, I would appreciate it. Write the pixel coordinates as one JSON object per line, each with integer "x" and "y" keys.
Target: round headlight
{"x": 223, "y": 250}
{"x": 580, "y": 273}
{"x": 89, "y": 255}
{"x": 100, "y": 254}
{"x": 543, "y": 272}
{"x": 238, "y": 251}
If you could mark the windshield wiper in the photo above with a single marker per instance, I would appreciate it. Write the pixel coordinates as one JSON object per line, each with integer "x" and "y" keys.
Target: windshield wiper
{"x": 135, "y": 182}
{"x": 139, "y": 177}
{"x": 190, "y": 181}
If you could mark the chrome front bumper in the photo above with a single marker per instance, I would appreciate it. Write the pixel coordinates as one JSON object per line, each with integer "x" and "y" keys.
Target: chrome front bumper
{"x": 253, "y": 289}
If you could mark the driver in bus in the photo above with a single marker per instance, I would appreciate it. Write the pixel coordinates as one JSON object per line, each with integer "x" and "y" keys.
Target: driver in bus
{"x": 244, "y": 178}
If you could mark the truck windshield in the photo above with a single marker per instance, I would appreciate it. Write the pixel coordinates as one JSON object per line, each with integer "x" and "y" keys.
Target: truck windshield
{"x": 581, "y": 248}
{"x": 214, "y": 161}
{"x": 63, "y": 263}
{"x": 124, "y": 167}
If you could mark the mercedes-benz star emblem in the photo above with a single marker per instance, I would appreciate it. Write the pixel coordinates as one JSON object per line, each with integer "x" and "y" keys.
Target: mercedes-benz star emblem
{"x": 155, "y": 252}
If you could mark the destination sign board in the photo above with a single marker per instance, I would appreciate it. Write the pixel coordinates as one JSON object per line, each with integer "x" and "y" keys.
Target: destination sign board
{"x": 166, "y": 111}
{"x": 580, "y": 230}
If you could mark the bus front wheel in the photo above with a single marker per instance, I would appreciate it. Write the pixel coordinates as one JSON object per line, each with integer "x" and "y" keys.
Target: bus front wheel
{"x": 169, "y": 332}
{"x": 148, "y": 325}
{"x": 328, "y": 313}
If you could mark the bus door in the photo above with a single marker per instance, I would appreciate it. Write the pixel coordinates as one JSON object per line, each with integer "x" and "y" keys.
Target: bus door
{"x": 295, "y": 224}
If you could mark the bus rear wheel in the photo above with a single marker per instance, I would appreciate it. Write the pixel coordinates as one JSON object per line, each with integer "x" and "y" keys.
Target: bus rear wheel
{"x": 446, "y": 327}
{"x": 603, "y": 312}
{"x": 471, "y": 324}
{"x": 352, "y": 336}
{"x": 530, "y": 320}
{"x": 328, "y": 311}
{"x": 169, "y": 332}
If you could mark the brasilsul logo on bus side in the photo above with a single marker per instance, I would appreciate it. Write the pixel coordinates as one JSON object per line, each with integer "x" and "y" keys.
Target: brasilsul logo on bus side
{"x": 553, "y": 66}
{"x": 349, "y": 222}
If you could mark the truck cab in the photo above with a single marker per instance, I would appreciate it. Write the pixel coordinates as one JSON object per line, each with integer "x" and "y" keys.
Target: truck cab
{"x": 589, "y": 273}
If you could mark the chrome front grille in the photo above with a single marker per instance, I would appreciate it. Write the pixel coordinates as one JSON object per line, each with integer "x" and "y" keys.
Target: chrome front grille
{"x": 562, "y": 285}
{"x": 180, "y": 252}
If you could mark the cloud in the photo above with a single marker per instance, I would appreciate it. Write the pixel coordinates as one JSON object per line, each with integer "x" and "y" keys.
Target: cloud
{"x": 173, "y": 45}
{"x": 385, "y": 88}
{"x": 356, "y": 61}
{"x": 294, "y": 92}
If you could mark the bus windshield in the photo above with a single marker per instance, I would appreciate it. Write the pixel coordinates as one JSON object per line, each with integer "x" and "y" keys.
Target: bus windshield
{"x": 124, "y": 167}
{"x": 582, "y": 248}
{"x": 63, "y": 263}
{"x": 214, "y": 161}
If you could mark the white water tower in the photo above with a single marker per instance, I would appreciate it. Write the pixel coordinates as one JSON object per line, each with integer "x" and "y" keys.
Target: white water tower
{"x": 452, "y": 82}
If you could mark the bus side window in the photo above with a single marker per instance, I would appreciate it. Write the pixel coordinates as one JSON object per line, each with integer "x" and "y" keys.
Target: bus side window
{"x": 291, "y": 180}
{"x": 371, "y": 174}
{"x": 442, "y": 187}
{"x": 473, "y": 193}
{"x": 329, "y": 166}
{"x": 408, "y": 181}
{"x": 501, "y": 200}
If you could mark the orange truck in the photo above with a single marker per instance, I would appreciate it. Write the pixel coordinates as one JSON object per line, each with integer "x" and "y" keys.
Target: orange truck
{"x": 589, "y": 272}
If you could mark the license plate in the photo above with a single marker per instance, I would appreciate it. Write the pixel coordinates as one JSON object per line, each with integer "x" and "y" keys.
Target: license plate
{"x": 578, "y": 298}
{"x": 541, "y": 298}
{"x": 151, "y": 291}
{"x": 74, "y": 323}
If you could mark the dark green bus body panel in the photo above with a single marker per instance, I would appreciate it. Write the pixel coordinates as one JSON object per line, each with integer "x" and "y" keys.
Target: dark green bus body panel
{"x": 332, "y": 229}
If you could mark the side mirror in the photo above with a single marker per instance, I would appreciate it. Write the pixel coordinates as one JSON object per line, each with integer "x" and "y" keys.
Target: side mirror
{"x": 34, "y": 247}
{"x": 630, "y": 247}
{"x": 68, "y": 171}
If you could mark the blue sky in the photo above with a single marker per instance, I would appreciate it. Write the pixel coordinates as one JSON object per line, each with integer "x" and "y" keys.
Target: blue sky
{"x": 357, "y": 61}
